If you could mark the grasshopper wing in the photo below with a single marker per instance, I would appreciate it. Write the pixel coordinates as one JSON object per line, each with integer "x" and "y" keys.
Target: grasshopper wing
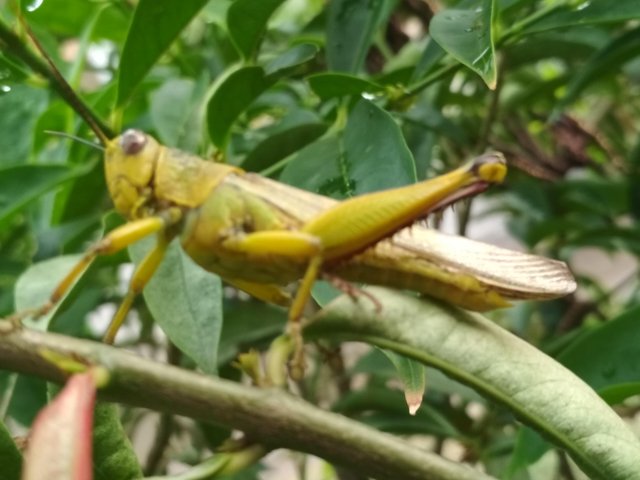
{"x": 471, "y": 274}
{"x": 515, "y": 275}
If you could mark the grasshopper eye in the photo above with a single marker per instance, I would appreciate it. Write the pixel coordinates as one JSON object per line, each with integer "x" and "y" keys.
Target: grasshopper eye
{"x": 132, "y": 142}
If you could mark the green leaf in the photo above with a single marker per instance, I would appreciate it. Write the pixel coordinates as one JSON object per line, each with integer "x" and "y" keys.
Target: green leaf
{"x": 530, "y": 447}
{"x": 574, "y": 14}
{"x": 20, "y": 108}
{"x": 155, "y": 25}
{"x": 216, "y": 12}
{"x": 375, "y": 152}
{"x": 175, "y": 113}
{"x": 323, "y": 292}
{"x": 375, "y": 363}
{"x": 233, "y": 94}
{"x": 608, "y": 357}
{"x": 35, "y": 286}
{"x": 503, "y": 367}
{"x": 28, "y": 397}
{"x": 331, "y": 85}
{"x": 10, "y": 456}
{"x": 281, "y": 145}
{"x": 574, "y": 45}
{"x": 606, "y": 62}
{"x": 431, "y": 56}
{"x": 316, "y": 168}
{"x": 113, "y": 455}
{"x": 186, "y": 301}
{"x": 351, "y": 26}
{"x": 384, "y": 409}
{"x": 68, "y": 17}
{"x": 369, "y": 155}
{"x": 83, "y": 196}
{"x": 427, "y": 117}
{"x": 247, "y": 23}
{"x": 467, "y": 35}
{"x": 291, "y": 60}
{"x": 23, "y": 184}
{"x": 13, "y": 70}
{"x": 248, "y": 323}
{"x": 413, "y": 376}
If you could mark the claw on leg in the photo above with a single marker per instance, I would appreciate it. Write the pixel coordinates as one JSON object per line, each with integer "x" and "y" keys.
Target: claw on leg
{"x": 17, "y": 318}
{"x": 353, "y": 291}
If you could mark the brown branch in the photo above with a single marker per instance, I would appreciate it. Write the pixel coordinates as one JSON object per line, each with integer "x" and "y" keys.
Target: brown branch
{"x": 12, "y": 44}
{"x": 270, "y": 416}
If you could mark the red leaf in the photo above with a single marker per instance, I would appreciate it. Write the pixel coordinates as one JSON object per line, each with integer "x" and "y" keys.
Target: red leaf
{"x": 60, "y": 441}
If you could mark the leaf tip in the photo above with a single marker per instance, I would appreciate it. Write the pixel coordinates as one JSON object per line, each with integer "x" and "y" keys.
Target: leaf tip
{"x": 60, "y": 441}
{"x": 414, "y": 400}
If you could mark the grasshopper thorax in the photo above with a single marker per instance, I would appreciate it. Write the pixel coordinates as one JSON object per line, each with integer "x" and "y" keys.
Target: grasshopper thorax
{"x": 130, "y": 163}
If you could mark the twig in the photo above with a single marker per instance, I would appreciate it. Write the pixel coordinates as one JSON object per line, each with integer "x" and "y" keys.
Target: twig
{"x": 12, "y": 44}
{"x": 276, "y": 418}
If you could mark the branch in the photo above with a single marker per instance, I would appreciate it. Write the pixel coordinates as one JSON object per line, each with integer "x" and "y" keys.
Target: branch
{"x": 12, "y": 44}
{"x": 270, "y": 416}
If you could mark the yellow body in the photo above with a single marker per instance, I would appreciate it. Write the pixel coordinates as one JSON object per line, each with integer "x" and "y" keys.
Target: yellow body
{"x": 260, "y": 247}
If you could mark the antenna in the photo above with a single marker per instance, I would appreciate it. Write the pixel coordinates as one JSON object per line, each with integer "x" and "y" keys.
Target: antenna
{"x": 75, "y": 139}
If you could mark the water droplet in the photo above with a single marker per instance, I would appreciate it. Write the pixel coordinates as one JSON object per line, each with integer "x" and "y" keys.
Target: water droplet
{"x": 582, "y": 6}
{"x": 468, "y": 29}
{"x": 5, "y": 89}
{"x": 34, "y": 5}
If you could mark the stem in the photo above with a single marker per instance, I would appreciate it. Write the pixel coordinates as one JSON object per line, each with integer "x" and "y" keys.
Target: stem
{"x": 506, "y": 38}
{"x": 431, "y": 79}
{"x": 270, "y": 416}
{"x": 519, "y": 27}
{"x": 11, "y": 43}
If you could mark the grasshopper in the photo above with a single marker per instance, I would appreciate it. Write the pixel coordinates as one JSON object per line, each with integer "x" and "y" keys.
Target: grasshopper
{"x": 261, "y": 236}
{"x": 246, "y": 229}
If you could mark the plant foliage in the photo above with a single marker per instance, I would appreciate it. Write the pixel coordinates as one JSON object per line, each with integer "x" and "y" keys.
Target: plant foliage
{"x": 341, "y": 98}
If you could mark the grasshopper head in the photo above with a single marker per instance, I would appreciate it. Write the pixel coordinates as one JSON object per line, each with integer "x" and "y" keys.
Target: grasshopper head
{"x": 130, "y": 161}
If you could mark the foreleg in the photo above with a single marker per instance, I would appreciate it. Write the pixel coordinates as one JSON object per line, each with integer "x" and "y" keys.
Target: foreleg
{"x": 115, "y": 241}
